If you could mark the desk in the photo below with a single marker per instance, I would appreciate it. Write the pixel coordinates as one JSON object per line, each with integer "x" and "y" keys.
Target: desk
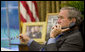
{"x": 22, "y": 47}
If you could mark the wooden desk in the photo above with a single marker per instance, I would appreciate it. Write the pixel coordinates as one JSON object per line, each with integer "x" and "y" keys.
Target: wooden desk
{"x": 22, "y": 47}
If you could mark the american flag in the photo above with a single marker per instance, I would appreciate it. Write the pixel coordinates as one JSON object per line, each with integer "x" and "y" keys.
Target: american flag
{"x": 28, "y": 11}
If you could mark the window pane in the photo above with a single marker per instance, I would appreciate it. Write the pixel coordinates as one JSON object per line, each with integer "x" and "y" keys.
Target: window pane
{"x": 3, "y": 24}
{"x": 14, "y": 23}
{"x": 3, "y": 18}
{"x": 12, "y": 3}
{"x": 4, "y": 43}
{"x": 13, "y": 18}
{"x": 3, "y": 4}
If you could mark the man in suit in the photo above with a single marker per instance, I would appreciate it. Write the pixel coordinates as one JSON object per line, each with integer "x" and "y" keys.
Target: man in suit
{"x": 68, "y": 39}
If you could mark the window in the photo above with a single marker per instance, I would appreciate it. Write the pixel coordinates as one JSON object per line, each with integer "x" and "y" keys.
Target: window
{"x": 13, "y": 20}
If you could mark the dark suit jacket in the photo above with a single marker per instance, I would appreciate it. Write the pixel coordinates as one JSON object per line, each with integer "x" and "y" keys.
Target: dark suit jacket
{"x": 70, "y": 41}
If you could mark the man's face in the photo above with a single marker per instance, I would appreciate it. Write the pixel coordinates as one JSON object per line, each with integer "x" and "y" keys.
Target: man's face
{"x": 32, "y": 29}
{"x": 63, "y": 18}
{"x": 37, "y": 29}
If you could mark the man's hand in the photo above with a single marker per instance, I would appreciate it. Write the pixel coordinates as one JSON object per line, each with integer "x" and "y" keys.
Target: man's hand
{"x": 56, "y": 30}
{"x": 24, "y": 38}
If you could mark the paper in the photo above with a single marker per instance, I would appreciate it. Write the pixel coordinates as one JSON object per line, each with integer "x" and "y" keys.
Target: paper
{"x": 5, "y": 49}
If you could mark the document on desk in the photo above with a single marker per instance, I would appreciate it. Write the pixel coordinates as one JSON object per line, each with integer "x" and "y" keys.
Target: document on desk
{"x": 5, "y": 49}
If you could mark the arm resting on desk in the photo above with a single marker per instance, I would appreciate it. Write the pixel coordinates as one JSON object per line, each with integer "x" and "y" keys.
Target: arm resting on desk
{"x": 35, "y": 46}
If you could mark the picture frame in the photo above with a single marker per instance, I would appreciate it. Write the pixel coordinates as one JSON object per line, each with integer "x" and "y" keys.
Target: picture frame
{"x": 33, "y": 25}
{"x": 51, "y": 19}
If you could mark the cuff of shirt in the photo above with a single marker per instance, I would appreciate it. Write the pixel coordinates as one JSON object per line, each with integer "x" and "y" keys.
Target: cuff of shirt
{"x": 51, "y": 40}
{"x": 30, "y": 41}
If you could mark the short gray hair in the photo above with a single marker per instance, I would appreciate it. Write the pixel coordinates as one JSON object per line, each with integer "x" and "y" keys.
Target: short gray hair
{"x": 73, "y": 13}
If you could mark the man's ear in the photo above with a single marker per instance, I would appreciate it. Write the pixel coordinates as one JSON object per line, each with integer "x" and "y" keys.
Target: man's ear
{"x": 73, "y": 20}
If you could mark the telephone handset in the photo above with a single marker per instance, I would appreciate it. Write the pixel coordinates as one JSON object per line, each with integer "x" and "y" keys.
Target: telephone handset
{"x": 70, "y": 26}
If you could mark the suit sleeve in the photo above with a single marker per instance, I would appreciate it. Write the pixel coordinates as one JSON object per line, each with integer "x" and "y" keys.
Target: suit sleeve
{"x": 71, "y": 43}
{"x": 35, "y": 46}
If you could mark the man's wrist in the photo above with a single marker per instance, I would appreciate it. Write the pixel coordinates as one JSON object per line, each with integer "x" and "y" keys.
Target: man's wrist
{"x": 52, "y": 36}
{"x": 29, "y": 42}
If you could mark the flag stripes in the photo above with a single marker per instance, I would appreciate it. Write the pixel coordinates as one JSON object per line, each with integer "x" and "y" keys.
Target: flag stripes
{"x": 28, "y": 11}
